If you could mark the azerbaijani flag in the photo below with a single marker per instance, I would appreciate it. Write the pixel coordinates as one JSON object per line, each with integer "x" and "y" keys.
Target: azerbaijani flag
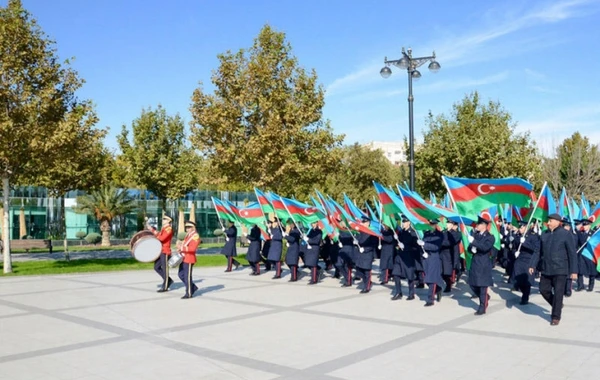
{"x": 595, "y": 217}
{"x": 263, "y": 201}
{"x": 393, "y": 205}
{"x": 278, "y": 206}
{"x": 592, "y": 250}
{"x": 545, "y": 204}
{"x": 223, "y": 212}
{"x": 471, "y": 195}
{"x": 250, "y": 215}
{"x": 418, "y": 205}
{"x": 352, "y": 209}
{"x": 301, "y": 212}
{"x": 468, "y": 256}
{"x": 563, "y": 204}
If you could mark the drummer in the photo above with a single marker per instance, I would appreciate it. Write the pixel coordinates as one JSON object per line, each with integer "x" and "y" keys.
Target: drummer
{"x": 188, "y": 249}
{"x": 161, "y": 265}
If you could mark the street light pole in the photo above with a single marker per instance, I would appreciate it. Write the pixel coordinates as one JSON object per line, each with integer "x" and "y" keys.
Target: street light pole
{"x": 411, "y": 64}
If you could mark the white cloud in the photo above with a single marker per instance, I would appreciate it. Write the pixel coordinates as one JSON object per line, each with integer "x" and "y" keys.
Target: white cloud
{"x": 532, "y": 74}
{"x": 475, "y": 46}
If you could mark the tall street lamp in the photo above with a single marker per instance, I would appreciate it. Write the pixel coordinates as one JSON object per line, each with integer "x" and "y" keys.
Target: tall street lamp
{"x": 411, "y": 64}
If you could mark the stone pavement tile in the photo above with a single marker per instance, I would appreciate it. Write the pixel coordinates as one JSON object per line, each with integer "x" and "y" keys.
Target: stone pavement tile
{"x": 35, "y": 284}
{"x": 42, "y": 368}
{"x": 36, "y": 332}
{"x": 116, "y": 278}
{"x": 534, "y": 320}
{"x": 284, "y": 294}
{"x": 206, "y": 285}
{"x": 76, "y": 297}
{"x": 466, "y": 356}
{"x": 166, "y": 311}
{"x": 6, "y": 310}
{"x": 378, "y": 305}
{"x": 137, "y": 359}
{"x": 291, "y": 339}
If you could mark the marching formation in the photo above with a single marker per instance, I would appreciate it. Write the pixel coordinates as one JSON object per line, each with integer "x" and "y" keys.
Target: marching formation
{"x": 482, "y": 223}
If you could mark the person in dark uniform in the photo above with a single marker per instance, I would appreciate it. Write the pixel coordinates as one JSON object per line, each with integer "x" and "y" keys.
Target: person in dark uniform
{"x": 432, "y": 263}
{"x": 480, "y": 274}
{"x": 253, "y": 254}
{"x": 266, "y": 246}
{"x": 325, "y": 252}
{"x": 229, "y": 249}
{"x": 367, "y": 244}
{"x": 292, "y": 256}
{"x": 530, "y": 246}
{"x": 188, "y": 249}
{"x": 449, "y": 254}
{"x": 276, "y": 248}
{"x": 559, "y": 260}
{"x": 311, "y": 257}
{"x": 405, "y": 260}
{"x": 334, "y": 256}
{"x": 587, "y": 267}
{"x": 388, "y": 246}
{"x": 345, "y": 262}
{"x": 566, "y": 222}
{"x": 161, "y": 264}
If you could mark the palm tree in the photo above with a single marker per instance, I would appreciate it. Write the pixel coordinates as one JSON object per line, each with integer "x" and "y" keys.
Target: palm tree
{"x": 105, "y": 204}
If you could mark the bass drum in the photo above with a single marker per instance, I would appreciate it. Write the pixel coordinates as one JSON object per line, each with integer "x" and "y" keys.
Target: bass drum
{"x": 145, "y": 247}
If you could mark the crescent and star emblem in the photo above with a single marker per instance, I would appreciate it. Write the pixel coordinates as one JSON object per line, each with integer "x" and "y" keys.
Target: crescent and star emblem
{"x": 245, "y": 213}
{"x": 481, "y": 190}
{"x": 592, "y": 218}
{"x": 309, "y": 211}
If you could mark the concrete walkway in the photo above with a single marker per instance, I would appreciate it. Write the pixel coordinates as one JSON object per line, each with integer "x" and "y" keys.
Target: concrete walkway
{"x": 115, "y": 326}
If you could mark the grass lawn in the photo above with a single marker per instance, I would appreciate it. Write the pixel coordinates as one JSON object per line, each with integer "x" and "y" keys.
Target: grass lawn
{"x": 87, "y": 248}
{"x": 30, "y": 268}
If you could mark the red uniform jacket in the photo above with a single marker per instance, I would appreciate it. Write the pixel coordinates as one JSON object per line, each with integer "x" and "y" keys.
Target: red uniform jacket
{"x": 189, "y": 246}
{"x": 165, "y": 236}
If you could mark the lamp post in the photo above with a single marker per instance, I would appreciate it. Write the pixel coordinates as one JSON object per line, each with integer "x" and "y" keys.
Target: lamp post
{"x": 411, "y": 64}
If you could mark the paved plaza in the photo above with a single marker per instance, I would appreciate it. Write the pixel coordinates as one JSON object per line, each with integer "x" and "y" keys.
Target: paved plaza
{"x": 115, "y": 326}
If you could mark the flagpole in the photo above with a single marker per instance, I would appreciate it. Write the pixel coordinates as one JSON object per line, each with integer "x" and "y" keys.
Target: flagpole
{"x": 263, "y": 212}
{"x": 587, "y": 241}
{"x": 297, "y": 225}
{"x": 532, "y": 212}
{"x": 217, "y": 212}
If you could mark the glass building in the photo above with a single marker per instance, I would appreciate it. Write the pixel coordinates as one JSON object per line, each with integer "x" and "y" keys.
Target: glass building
{"x": 35, "y": 214}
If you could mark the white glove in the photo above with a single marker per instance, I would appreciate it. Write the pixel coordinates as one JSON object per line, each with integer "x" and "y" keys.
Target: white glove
{"x": 308, "y": 246}
{"x": 379, "y": 246}
{"x": 471, "y": 239}
{"x": 287, "y": 244}
{"x": 502, "y": 245}
{"x": 361, "y": 250}
{"x": 245, "y": 234}
{"x": 474, "y": 250}
{"x": 285, "y": 234}
{"x": 340, "y": 244}
{"x": 425, "y": 255}
{"x": 305, "y": 238}
{"x": 420, "y": 242}
{"x": 505, "y": 232}
{"x": 517, "y": 254}
{"x": 522, "y": 240}
{"x": 226, "y": 239}
{"x": 395, "y": 236}
{"x": 401, "y": 245}
{"x": 355, "y": 242}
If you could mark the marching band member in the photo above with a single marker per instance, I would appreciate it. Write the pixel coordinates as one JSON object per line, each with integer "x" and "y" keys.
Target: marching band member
{"x": 161, "y": 264}
{"x": 188, "y": 249}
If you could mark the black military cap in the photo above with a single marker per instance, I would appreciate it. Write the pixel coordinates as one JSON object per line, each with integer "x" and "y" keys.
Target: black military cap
{"x": 522, "y": 223}
{"x": 481, "y": 220}
{"x": 566, "y": 220}
{"x": 433, "y": 221}
{"x": 586, "y": 222}
{"x": 365, "y": 219}
{"x": 577, "y": 221}
{"x": 555, "y": 217}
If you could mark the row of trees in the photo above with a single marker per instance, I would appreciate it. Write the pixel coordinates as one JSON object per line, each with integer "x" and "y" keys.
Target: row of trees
{"x": 262, "y": 126}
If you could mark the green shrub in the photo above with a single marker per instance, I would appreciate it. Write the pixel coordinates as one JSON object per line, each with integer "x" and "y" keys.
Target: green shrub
{"x": 80, "y": 235}
{"x": 93, "y": 238}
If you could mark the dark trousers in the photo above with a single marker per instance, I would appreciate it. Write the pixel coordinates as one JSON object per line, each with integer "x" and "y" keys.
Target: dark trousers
{"x": 161, "y": 266}
{"x": 482, "y": 293}
{"x": 397, "y": 286}
{"x": 449, "y": 280}
{"x": 569, "y": 287}
{"x": 231, "y": 262}
{"x": 277, "y": 265}
{"x": 552, "y": 288}
{"x": 385, "y": 276}
{"x": 255, "y": 267}
{"x": 294, "y": 272}
{"x": 185, "y": 274}
{"x": 433, "y": 290}
{"x": 365, "y": 276}
{"x": 266, "y": 262}
{"x": 525, "y": 288}
{"x": 346, "y": 272}
{"x": 581, "y": 286}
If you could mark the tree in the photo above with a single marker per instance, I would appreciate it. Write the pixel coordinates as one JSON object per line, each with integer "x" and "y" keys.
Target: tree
{"x": 39, "y": 112}
{"x": 575, "y": 166}
{"x": 158, "y": 158}
{"x": 360, "y": 166}
{"x": 476, "y": 141}
{"x": 263, "y": 126}
{"x": 105, "y": 204}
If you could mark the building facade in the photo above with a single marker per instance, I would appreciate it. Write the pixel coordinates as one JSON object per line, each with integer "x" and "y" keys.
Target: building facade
{"x": 392, "y": 150}
{"x": 33, "y": 213}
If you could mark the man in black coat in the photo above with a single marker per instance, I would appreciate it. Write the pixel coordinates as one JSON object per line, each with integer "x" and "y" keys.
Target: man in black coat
{"x": 345, "y": 261}
{"x": 450, "y": 254}
{"x": 566, "y": 222}
{"x": 480, "y": 273}
{"x": 366, "y": 244}
{"x": 405, "y": 260}
{"x": 432, "y": 262}
{"x": 311, "y": 256}
{"x": 292, "y": 256}
{"x": 559, "y": 260}
{"x": 529, "y": 242}
{"x": 253, "y": 254}
{"x": 587, "y": 267}
{"x": 229, "y": 249}
{"x": 276, "y": 248}
{"x": 388, "y": 246}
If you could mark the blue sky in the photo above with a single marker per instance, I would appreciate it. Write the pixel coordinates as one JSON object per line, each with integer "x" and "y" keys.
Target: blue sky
{"x": 538, "y": 58}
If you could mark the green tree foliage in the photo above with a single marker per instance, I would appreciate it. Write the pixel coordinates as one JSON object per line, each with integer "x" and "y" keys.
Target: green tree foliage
{"x": 41, "y": 119}
{"x": 576, "y": 167}
{"x": 105, "y": 204}
{"x": 360, "y": 166}
{"x": 263, "y": 126}
{"x": 477, "y": 140}
{"x": 158, "y": 158}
